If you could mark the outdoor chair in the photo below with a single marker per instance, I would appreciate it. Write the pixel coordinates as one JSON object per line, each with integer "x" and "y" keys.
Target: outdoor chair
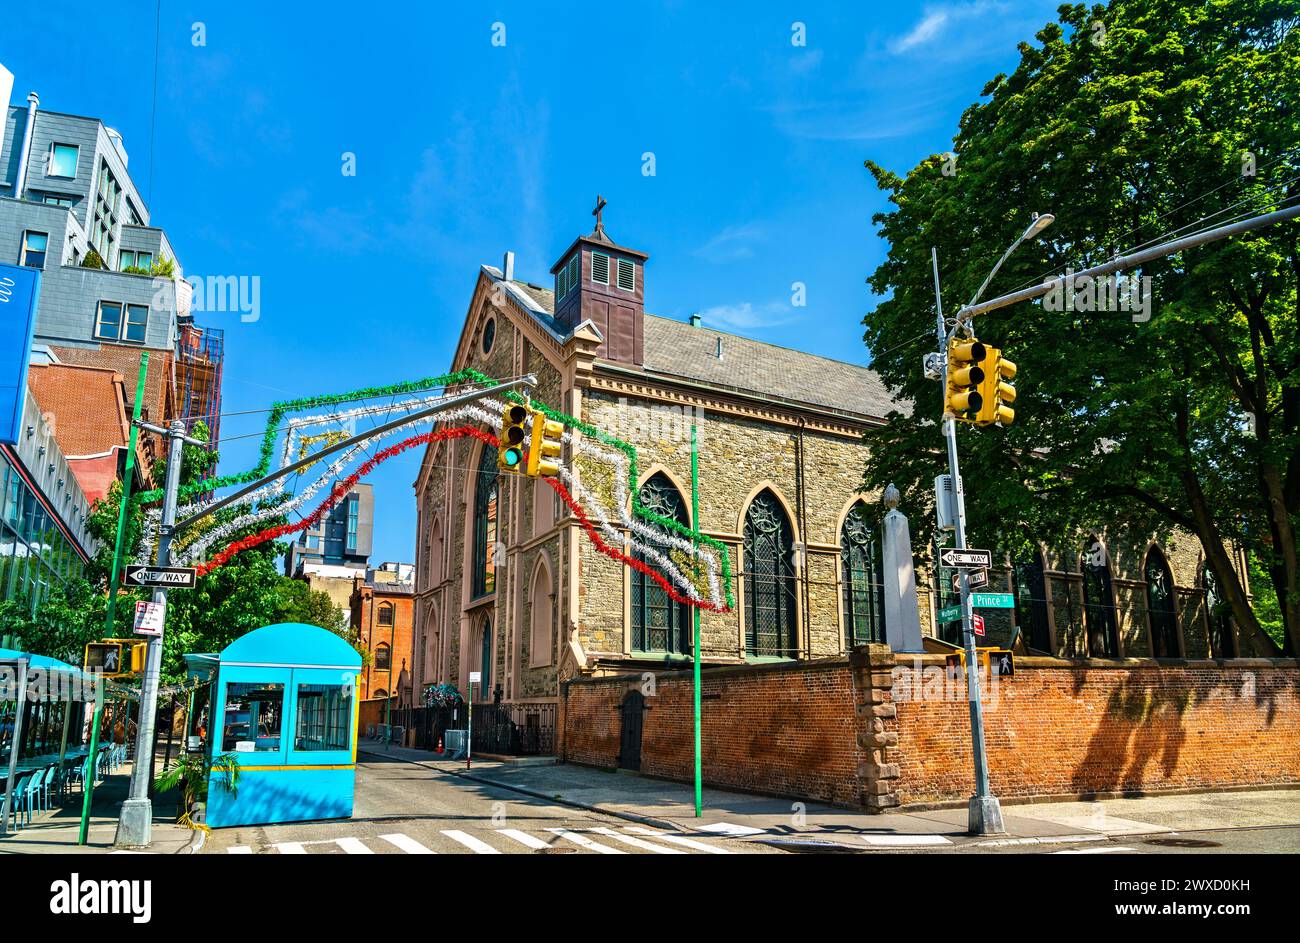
{"x": 19, "y": 798}
{"x": 47, "y": 780}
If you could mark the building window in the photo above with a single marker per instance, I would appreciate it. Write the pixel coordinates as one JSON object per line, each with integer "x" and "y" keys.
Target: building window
{"x": 254, "y": 712}
{"x": 1029, "y": 584}
{"x": 108, "y": 326}
{"x": 1223, "y": 641}
{"x": 34, "y": 246}
{"x": 484, "y": 660}
{"x": 627, "y": 275}
{"x": 575, "y": 270}
{"x": 485, "y": 525}
{"x": 1098, "y": 602}
{"x": 135, "y": 259}
{"x": 56, "y": 199}
{"x": 489, "y": 334}
{"x": 386, "y": 614}
{"x": 540, "y": 619}
{"x": 353, "y": 514}
{"x": 1161, "y": 614}
{"x": 383, "y": 657}
{"x": 324, "y": 717}
{"x": 659, "y": 624}
{"x": 769, "y": 579}
{"x": 63, "y": 161}
{"x": 600, "y": 268}
{"x": 862, "y": 578}
{"x": 122, "y": 322}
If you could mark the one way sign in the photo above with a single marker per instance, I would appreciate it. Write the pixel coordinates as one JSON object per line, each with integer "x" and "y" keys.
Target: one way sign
{"x": 164, "y": 577}
{"x": 966, "y": 559}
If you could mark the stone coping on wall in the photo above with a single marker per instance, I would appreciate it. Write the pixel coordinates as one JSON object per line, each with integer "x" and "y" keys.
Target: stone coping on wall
{"x": 906, "y": 659}
{"x": 714, "y": 671}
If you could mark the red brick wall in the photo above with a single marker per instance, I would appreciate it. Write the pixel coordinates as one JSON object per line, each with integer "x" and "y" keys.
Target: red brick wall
{"x": 1057, "y": 728}
{"x": 785, "y": 730}
{"x": 1061, "y": 729}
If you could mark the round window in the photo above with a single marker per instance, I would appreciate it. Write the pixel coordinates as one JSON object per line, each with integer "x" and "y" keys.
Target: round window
{"x": 489, "y": 335}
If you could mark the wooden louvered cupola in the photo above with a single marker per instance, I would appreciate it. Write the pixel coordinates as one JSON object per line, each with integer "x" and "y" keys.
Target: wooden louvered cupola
{"x": 598, "y": 280}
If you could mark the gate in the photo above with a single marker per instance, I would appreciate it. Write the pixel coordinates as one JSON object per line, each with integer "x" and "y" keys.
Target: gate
{"x": 633, "y": 710}
{"x": 514, "y": 729}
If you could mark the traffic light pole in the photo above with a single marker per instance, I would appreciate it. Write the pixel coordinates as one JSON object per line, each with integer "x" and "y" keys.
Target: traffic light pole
{"x": 135, "y": 823}
{"x": 984, "y": 813}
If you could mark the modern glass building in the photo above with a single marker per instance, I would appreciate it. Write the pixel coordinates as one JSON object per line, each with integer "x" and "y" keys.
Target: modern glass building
{"x": 43, "y": 537}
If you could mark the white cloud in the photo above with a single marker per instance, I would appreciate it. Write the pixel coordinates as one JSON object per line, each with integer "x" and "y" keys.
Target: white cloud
{"x": 938, "y": 20}
{"x": 732, "y": 244}
{"x": 746, "y": 316}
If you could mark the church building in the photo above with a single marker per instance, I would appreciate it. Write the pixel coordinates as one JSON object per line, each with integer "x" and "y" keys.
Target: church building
{"x": 508, "y": 585}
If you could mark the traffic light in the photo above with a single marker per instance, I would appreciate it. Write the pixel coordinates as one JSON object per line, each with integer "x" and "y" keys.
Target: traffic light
{"x": 997, "y": 394}
{"x": 545, "y": 447}
{"x": 510, "y": 451}
{"x": 966, "y": 372}
{"x": 115, "y": 657}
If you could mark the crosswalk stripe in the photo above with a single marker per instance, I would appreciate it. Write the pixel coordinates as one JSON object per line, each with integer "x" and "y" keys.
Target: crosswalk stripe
{"x": 1091, "y": 851}
{"x": 469, "y": 841}
{"x": 678, "y": 840}
{"x": 239, "y": 850}
{"x": 524, "y": 838}
{"x": 290, "y": 848}
{"x": 637, "y": 842}
{"x": 353, "y": 846}
{"x": 407, "y": 844}
{"x": 586, "y": 842}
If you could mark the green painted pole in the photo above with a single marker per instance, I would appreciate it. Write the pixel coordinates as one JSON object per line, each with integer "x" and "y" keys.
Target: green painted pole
{"x": 695, "y": 621}
{"x": 88, "y": 785}
{"x": 125, "y": 503}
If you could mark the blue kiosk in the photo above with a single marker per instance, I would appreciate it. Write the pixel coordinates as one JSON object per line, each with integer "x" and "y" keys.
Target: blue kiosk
{"x": 283, "y": 700}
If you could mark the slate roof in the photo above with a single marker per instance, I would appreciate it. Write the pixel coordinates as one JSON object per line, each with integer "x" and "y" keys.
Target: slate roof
{"x": 676, "y": 349}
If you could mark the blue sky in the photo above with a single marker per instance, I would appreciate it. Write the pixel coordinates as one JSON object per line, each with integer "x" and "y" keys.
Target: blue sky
{"x": 465, "y": 149}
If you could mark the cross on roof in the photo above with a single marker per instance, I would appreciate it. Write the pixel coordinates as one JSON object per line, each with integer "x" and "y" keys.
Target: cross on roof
{"x": 600, "y": 205}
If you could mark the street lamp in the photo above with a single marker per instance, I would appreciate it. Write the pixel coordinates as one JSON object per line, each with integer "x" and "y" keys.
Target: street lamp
{"x": 1036, "y": 225}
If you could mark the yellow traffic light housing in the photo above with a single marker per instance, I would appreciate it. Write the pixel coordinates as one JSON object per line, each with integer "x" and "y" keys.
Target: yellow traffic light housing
{"x": 996, "y": 393}
{"x": 966, "y": 374}
{"x": 545, "y": 448}
{"x": 510, "y": 450}
{"x": 115, "y": 657}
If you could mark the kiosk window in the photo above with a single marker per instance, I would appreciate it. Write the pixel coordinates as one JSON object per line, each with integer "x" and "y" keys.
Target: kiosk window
{"x": 253, "y": 716}
{"x": 324, "y": 717}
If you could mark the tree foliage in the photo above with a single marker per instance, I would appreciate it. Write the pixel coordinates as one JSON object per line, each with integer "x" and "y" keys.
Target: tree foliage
{"x": 1131, "y": 122}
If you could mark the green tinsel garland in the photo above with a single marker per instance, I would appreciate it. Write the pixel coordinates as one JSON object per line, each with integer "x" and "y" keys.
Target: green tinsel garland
{"x": 468, "y": 375}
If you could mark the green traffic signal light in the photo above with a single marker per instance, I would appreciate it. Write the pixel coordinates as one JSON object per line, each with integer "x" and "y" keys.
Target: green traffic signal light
{"x": 512, "y": 457}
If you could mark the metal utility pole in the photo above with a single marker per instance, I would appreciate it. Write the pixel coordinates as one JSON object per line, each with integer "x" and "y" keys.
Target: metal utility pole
{"x": 984, "y": 813}
{"x": 135, "y": 824}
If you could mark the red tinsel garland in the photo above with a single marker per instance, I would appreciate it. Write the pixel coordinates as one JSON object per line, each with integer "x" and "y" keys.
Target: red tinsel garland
{"x": 341, "y": 488}
{"x": 639, "y": 565}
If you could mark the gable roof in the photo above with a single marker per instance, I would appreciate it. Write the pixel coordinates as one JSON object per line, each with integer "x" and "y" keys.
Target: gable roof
{"x": 677, "y": 349}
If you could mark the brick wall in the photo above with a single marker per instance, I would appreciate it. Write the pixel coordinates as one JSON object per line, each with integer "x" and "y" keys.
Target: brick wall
{"x": 782, "y": 729}
{"x": 1061, "y": 728}
{"x": 864, "y": 731}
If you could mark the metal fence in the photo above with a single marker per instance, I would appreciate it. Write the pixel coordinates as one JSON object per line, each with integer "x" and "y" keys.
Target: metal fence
{"x": 514, "y": 729}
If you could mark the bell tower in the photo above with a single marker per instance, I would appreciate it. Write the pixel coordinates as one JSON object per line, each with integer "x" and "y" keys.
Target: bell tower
{"x": 598, "y": 280}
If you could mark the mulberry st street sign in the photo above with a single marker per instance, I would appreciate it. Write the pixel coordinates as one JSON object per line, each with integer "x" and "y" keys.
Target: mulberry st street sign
{"x": 966, "y": 559}
{"x": 169, "y": 577}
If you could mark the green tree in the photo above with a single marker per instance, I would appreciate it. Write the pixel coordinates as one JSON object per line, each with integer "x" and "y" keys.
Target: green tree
{"x": 1130, "y": 122}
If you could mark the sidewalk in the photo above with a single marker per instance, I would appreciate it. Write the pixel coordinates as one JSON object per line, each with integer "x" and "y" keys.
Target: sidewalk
{"x": 667, "y": 804}
{"x": 55, "y": 832}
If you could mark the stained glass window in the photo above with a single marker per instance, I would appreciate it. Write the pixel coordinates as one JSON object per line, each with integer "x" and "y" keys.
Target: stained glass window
{"x": 485, "y": 525}
{"x": 1160, "y": 605}
{"x": 864, "y": 597}
{"x": 659, "y": 624}
{"x": 769, "y": 579}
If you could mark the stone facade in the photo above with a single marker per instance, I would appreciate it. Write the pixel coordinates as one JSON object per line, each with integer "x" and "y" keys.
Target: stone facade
{"x": 559, "y": 608}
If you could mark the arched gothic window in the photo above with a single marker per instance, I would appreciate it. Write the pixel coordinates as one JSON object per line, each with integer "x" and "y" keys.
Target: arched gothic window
{"x": 1099, "y": 619}
{"x": 1161, "y": 614}
{"x": 383, "y": 657}
{"x": 541, "y": 619}
{"x": 1223, "y": 642}
{"x": 1030, "y": 588}
{"x": 862, "y": 579}
{"x": 769, "y": 579}
{"x": 659, "y": 624}
{"x": 485, "y": 525}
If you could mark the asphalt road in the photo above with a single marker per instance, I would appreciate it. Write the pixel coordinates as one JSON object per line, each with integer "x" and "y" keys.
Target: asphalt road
{"x": 403, "y": 808}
